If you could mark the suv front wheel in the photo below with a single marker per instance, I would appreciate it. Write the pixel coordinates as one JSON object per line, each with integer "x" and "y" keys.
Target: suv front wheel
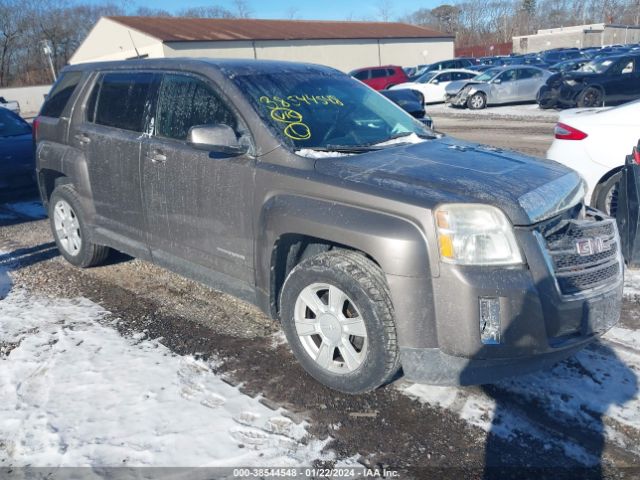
{"x": 70, "y": 231}
{"x": 337, "y": 314}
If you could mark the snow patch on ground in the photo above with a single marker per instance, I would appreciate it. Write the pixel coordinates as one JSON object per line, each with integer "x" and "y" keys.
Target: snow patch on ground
{"x": 596, "y": 390}
{"x": 522, "y": 111}
{"x": 73, "y": 392}
{"x": 631, "y": 282}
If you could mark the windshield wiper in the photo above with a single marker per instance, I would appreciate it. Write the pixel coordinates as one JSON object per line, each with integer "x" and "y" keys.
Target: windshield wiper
{"x": 347, "y": 148}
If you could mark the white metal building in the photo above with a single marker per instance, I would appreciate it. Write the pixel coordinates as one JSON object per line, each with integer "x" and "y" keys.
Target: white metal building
{"x": 343, "y": 45}
{"x": 579, "y": 36}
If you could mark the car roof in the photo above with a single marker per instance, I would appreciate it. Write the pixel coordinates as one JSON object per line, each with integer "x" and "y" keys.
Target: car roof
{"x": 239, "y": 66}
{"x": 445, "y": 70}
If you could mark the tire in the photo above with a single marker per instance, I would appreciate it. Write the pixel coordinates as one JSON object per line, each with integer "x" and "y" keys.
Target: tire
{"x": 477, "y": 101}
{"x": 606, "y": 195}
{"x": 590, "y": 97}
{"x": 70, "y": 230}
{"x": 545, "y": 99}
{"x": 360, "y": 297}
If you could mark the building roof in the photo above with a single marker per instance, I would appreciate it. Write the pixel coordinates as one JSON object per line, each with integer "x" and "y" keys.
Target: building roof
{"x": 175, "y": 29}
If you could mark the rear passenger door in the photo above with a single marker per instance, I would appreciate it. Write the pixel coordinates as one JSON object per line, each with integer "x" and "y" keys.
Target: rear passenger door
{"x": 198, "y": 204}
{"x": 116, "y": 118}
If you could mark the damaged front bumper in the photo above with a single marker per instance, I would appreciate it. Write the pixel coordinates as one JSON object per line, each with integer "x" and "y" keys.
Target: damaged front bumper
{"x": 498, "y": 322}
{"x": 459, "y": 99}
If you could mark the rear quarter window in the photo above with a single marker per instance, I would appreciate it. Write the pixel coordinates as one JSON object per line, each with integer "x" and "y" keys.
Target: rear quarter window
{"x": 60, "y": 94}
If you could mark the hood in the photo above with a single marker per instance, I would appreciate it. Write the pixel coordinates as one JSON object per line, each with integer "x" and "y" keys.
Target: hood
{"x": 455, "y": 87}
{"x": 446, "y": 170}
{"x": 572, "y": 75}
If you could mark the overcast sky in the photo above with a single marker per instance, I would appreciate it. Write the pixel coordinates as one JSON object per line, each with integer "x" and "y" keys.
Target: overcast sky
{"x": 304, "y": 9}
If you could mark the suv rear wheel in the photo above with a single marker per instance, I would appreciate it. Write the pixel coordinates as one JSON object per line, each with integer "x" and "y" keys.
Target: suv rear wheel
{"x": 337, "y": 314}
{"x": 70, "y": 231}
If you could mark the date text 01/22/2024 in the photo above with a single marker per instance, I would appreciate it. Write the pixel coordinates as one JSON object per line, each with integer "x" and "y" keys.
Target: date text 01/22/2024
{"x": 315, "y": 473}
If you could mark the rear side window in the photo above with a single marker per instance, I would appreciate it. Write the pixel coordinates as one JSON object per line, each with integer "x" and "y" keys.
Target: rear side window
{"x": 363, "y": 75}
{"x": 379, "y": 73}
{"x": 187, "y": 101}
{"x": 60, "y": 94}
{"x": 120, "y": 100}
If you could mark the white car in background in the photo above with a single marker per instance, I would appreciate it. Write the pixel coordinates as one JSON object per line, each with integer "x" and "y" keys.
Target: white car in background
{"x": 10, "y": 105}
{"x": 595, "y": 143}
{"x": 432, "y": 84}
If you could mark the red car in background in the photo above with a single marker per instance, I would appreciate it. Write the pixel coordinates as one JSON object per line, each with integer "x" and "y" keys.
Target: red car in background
{"x": 380, "y": 78}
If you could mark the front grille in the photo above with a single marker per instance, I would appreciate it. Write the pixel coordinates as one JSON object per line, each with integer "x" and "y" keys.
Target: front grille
{"x": 598, "y": 266}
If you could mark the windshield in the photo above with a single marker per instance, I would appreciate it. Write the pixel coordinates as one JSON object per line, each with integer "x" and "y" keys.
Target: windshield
{"x": 598, "y": 66}
{"x": 427, "y": 77}
{"x": 325, "y": 111}
{"x": 12, "y": 125}
{"x": 487, "y": 75}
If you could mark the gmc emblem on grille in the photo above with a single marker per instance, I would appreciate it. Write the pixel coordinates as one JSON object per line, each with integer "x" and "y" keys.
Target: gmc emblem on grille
{"x": 590, "y": 246}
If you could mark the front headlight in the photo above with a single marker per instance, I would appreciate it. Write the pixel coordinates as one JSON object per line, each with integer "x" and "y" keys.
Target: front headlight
{"x": 475, "y": 234}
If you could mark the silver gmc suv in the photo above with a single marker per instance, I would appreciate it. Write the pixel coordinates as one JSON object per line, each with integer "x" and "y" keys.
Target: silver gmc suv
{"x": 377, "y": 243}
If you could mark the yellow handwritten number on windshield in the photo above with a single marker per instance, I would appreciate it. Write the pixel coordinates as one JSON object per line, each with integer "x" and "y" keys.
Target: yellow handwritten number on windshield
{"x": 294, "y": 127}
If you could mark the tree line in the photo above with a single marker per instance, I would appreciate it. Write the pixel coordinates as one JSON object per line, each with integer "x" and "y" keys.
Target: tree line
{"x": 482, "y": 22}
{"x": 28, "y": 26}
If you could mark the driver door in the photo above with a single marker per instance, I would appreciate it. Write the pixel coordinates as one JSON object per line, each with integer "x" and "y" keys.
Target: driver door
{"x": 197, "y": 203}
{"x": 506, "y": 90}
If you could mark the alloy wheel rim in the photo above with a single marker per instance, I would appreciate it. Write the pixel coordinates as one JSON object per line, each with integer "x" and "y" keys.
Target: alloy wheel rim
{"x": 476, "y": 101}
{"x": 331, "y": 328}
{"x": 67, "y": 227}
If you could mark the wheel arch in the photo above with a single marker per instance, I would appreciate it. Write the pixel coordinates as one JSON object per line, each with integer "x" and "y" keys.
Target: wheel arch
{"x": 602, "y": 180}
{"x": 292, "y": 228}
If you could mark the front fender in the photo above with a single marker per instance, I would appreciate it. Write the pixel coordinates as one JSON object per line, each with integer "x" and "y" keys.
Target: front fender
{"x": 396, "y": 244}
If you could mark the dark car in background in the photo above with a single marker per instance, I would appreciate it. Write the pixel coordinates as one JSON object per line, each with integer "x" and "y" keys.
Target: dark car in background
{"x": 569, "y": 65}
{"x": 380, "y": 78}
{"x": 411, "y": 101}
{"x": 17, "y": 166}
{"x": 606, "y": 81}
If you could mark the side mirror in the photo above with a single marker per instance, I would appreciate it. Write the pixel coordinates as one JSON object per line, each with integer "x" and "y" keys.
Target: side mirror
{"x": 435, "y": 81}
{"x": 215, "y": 138}
{"x": 497, "y": 81}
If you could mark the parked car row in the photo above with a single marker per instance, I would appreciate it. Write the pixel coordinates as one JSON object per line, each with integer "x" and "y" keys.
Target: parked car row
{"x": 560, "y": 78}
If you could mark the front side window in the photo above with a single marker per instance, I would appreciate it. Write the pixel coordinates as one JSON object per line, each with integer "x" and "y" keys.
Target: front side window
{"x": 121, "y": 100}
{"x": 508, "y": 76}
{"x": 60, "y": 94}
{"x": 379, "y": 73}
{"x": 187, "y": 101}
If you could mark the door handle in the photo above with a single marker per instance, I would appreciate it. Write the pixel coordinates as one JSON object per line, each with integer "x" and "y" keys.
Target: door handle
{"x": 157, "y": 157}
{"x": 82, "y": 138}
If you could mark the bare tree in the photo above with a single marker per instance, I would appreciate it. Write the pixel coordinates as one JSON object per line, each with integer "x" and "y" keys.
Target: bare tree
{"x": 385, "y": 10}
{"x": 243, "y": 10}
